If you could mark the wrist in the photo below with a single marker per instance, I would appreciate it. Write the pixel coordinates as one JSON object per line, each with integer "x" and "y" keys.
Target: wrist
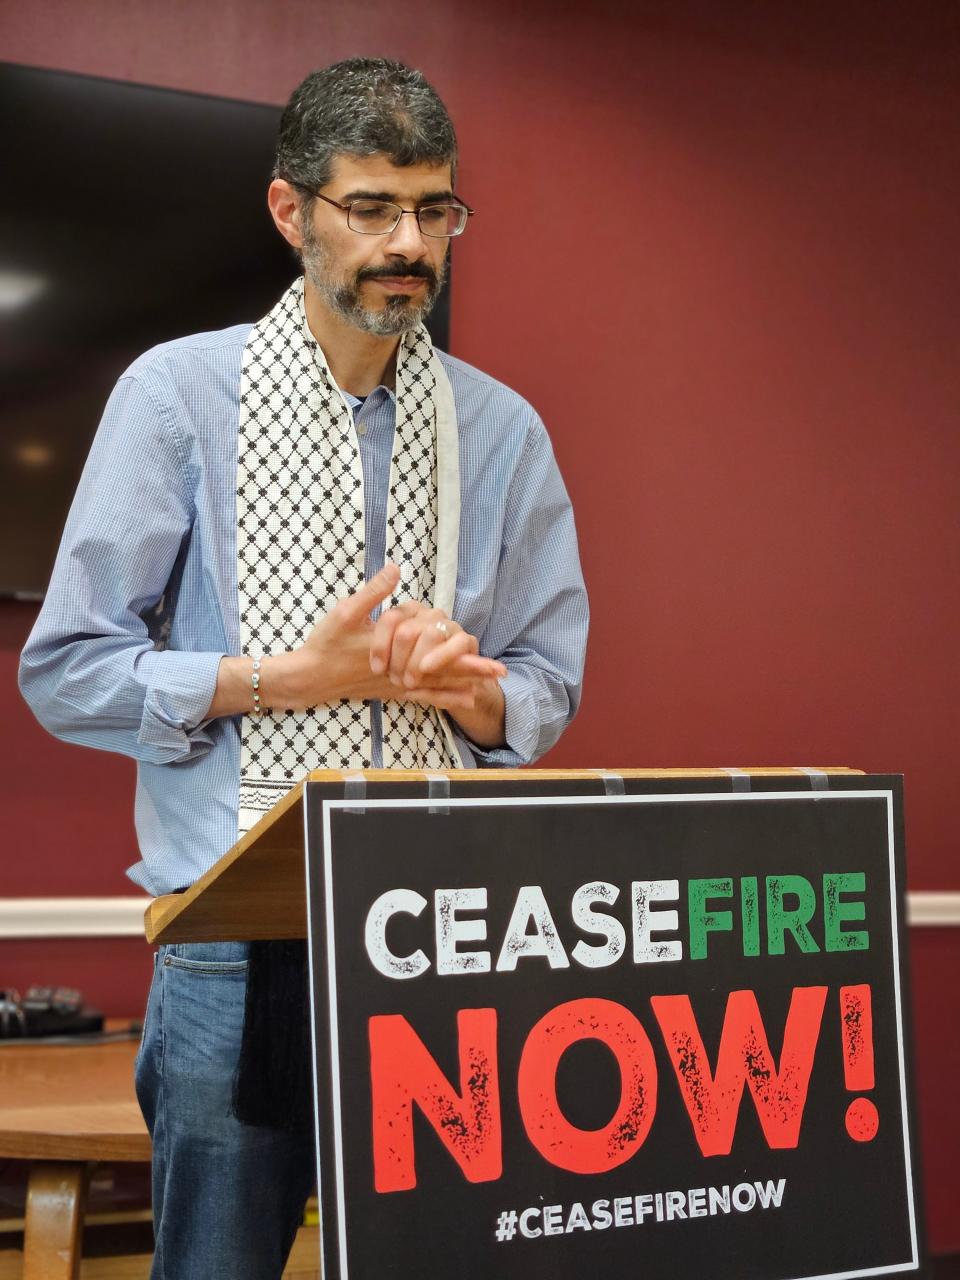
{"x": 485, "y": 724}
{"x": 280, "y": 683}
{"x": 233, "y": 694}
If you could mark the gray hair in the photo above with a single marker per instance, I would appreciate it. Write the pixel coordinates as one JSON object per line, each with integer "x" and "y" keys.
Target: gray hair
{"x": 361, "y": 107}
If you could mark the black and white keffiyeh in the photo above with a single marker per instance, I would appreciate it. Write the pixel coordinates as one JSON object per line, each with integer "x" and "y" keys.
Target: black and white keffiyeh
{"x": 300, "y": 540}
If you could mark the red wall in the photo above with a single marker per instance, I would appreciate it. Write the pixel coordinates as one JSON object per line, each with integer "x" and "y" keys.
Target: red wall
{"x": 69, "y": 831}
{"x": 716, "y": 247}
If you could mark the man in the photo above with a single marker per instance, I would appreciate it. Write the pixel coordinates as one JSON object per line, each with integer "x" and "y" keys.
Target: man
{"x": 311, "y": 542}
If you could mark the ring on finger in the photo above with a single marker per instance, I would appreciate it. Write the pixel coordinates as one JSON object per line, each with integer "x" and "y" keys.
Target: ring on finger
{"x": 443, "y": 629}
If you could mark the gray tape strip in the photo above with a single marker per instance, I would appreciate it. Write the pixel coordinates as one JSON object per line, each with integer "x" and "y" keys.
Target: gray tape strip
{"x": 819, "y": 781}
{"x": 612, "y": 783}
{"x": 355, "y": 788}
{"x": 740, "y": 780}
{"x": 438, "y": 788}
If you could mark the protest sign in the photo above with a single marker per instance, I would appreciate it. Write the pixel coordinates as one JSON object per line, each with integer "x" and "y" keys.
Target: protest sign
{"x": 559, "y": 1034}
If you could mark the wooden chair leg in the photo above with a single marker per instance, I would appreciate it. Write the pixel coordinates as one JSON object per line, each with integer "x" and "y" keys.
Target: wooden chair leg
{"x": 53, "y": 1231}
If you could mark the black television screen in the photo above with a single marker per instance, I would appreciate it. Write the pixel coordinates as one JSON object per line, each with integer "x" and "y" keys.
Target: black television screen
{"x": 128, "y": 215}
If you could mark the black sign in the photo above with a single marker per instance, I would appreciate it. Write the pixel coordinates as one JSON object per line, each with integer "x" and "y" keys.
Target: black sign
{"x": 566, "y": 1035}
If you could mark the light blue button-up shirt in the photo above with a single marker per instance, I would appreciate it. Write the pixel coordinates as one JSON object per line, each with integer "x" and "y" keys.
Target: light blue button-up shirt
{"x": 143, "y": 602}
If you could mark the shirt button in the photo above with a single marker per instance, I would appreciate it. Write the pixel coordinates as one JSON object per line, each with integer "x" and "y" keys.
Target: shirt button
{"x": 361, "y": 428}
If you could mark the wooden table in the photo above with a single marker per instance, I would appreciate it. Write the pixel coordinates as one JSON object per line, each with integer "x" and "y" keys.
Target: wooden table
{"x": 66, "y": 1108}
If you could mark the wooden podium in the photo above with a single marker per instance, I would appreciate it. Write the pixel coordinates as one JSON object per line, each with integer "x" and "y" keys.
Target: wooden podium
{"x": 257, "y": 889}
{"x": 560, "y": 1017}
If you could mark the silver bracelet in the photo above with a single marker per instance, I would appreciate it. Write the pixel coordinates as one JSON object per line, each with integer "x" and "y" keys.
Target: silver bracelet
{"x": 255, "y": 679}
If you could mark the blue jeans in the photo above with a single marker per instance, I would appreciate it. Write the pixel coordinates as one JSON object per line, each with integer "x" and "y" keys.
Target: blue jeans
{"x": 227, "y": 1197}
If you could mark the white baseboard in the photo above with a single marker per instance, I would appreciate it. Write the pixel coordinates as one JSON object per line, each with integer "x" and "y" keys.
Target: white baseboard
{"x": 116, "y": 917}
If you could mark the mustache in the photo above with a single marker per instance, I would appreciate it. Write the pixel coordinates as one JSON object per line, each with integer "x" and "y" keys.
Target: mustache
{"x": 401, "y": 267}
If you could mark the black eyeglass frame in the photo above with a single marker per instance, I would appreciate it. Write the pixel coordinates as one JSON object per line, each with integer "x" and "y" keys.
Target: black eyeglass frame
{"x": 400, "y": 212}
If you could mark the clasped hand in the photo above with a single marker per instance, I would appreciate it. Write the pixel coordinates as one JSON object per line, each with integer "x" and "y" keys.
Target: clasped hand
{"x": 402, "y": 656}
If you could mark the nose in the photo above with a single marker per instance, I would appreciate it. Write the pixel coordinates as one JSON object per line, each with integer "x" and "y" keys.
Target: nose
{"x": 406, "y": 239}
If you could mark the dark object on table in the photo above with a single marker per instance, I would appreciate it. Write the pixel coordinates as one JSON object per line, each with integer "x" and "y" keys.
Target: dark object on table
{"x": 46, "y": 1011}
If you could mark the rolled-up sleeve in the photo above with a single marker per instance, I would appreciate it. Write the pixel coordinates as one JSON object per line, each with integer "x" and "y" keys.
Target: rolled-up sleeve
{"x": 539, "y": 620}
{"x": 90, "y": 670}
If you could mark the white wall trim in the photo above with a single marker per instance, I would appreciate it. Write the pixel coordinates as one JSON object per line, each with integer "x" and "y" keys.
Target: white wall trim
{"x": 72, "y": 917}
{"x": 940, "y": 908}
{"x": 116, "y": 917}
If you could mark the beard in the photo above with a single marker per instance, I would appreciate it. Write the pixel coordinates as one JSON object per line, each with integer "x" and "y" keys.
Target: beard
{"x": 400, "y": 312}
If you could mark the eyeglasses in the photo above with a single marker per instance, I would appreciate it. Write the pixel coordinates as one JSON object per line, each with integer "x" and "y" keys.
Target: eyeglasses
{"x": 380, "y": 217}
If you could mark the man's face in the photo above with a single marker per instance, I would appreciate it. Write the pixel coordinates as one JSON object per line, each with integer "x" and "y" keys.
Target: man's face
{"x": 381, "y": 284}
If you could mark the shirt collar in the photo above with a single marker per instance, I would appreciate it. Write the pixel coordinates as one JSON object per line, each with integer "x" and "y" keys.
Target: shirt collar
{"x": 353, "y": 400}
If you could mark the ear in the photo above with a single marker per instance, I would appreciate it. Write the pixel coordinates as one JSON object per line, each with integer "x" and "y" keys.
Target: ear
{"x": 285, "y": 205}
